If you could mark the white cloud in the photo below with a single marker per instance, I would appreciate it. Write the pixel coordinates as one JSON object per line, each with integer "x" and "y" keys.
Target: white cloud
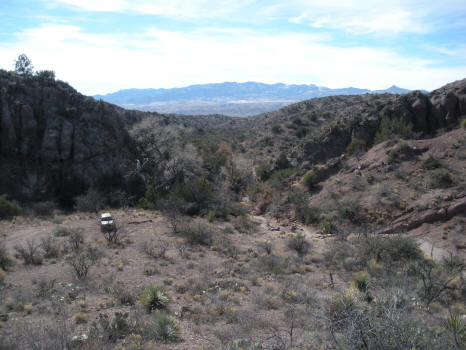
{"x": 160, "y": 58}
{"x": 380, "y": 17}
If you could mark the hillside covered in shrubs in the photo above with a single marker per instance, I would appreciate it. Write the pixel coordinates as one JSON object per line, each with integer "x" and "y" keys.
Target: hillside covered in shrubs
{"x": 334, "y": 223}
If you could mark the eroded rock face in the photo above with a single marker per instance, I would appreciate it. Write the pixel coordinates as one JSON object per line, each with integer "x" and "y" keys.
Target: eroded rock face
{"x": 52, "y": 137}
{"x": 442, "y": 108}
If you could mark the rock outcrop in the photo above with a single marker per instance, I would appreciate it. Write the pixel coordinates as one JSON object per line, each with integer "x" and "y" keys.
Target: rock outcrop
{"x": 441, "y": 109}
{"x": 55, "y": 142}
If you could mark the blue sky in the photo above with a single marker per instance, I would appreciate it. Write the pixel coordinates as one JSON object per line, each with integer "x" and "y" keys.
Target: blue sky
{"x": 101, "y": 46}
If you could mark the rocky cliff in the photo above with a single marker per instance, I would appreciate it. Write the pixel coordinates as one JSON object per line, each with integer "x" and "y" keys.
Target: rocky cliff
{"x": 441, "y": 109}
{"x": 55, "y": 142}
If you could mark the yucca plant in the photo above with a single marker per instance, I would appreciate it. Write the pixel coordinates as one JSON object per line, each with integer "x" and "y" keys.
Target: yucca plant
{"x": 455, "y": 324}
{"x": 361, "y": 281}
{"x": 154, "y": 298}
{"x": 165, "y": 328}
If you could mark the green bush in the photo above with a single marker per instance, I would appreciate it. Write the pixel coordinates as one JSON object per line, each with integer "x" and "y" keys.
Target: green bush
{"x": 277, "y": 129}
{"x": 45, "y": 208}
{"x": 441, "y": 178}
{"x": 197, "y": 234}
{"x": 280, "y": 177}
{"x": 29, "y": 253}
{"x": 301, "y": 131}
{"x": 430, "y": 163}
{"x": 154, "y": 297}
{"x": 394, "y": 248}
{"x": 328, "y": 227}
{"x": 390, "y": 129}
{"x": 300, "y": 244}
{"x": 165, "y": 328}
{"x": 463, "y": 123}
{"x": 263, "y": 171}
{"x": 91, "y": 202}
{"x": 357, "y": 146}
{"x": 369, "y": 178}
{"x": 8, "y": 208}
{"x": 400, "y": 150}
{"x": 149, "y": 201}
{"x": 310, "y": 180}
{"x": 197, "y": 195}
{"x": 5, "y": 259}
{"x": 361, "y": 281}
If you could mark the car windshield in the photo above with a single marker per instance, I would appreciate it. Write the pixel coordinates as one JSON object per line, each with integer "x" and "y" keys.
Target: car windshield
{"x": 106, "y": 219}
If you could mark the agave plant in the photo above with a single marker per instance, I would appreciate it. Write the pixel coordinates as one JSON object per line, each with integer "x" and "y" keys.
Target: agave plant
{"x": 154, "y": 298}
{"x": 165, "y": 328}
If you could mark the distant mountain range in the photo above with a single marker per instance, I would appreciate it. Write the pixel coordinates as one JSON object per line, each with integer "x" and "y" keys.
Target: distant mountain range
{"x": 234, "y": 99}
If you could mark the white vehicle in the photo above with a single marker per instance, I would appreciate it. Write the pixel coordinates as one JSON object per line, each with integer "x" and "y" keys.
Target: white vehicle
{"x": 107, "y": 223}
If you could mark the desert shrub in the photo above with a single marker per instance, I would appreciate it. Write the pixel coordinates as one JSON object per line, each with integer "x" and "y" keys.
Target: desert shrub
{"x": 400, "y": 151}
{"x": 122, "y": 294}
{"x": 155, "y": 249}
{"x": 338, "y": 252}
{"x": 310, "y": 180}
{"x": 328, "y": 227}
{"x": 280, "y": 177}
{"x": 301, "y": 131}
{"x": 430, "y": 163}
{"x": 392, "y": 129}
{"x": 463, "y": 123}
{"x": 196, "y": 195}
{"x": 369, "y": 178}
{"x": 302, "y": 211}
{"x": 44, "y": 208}
{"x": 351, "y": 210}
{"x": 277, "y": 129}
{"x": 438, "y": 278}
{"x": 110, "y": 330}
{"x": 263, "y": 171}
{"x": 8, "y": 208}
{"x": 81, "y": 261}
{"x": 165, "y": 328}
{"x": 266, "y": 247}
{"x": 272, "y": 263}
{"x": 61, "y": 231}
{"x": 343, "y": 308}
{"x": 5, "y": 259}
{"x": 29, "y": 253}
{"x": 361, "y": 281}
{"x": 80, "y": 318}
{"x": 93, "y": 201}
{"x": 75, "y": 239}
{"x": 150, "y": 199}
{"x": 50, "y": 246}
{"x": 394, "y": 248}
{"x": 212, "y": 160}
{"x": 197, "y": 233}
{"x": 114, "y": 237}
{"x": 154, "y": 297}
{"x": 46, "y": 75}
{"x": 299, "y": 243}
{"x": 356, "y": 147}
{"x": 243, "y": 224}
{"x": 441, "y": 178}
{"x": 45, "y": 288}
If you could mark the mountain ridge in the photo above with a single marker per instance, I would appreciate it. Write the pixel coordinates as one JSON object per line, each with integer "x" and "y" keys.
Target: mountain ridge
{"x": 230, "y": 98}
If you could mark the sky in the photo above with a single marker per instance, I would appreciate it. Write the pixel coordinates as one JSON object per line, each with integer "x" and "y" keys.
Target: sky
{"x": 101, "y": 46}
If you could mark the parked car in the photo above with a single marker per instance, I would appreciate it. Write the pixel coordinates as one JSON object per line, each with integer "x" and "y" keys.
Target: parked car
{"x": 107, "y": 223}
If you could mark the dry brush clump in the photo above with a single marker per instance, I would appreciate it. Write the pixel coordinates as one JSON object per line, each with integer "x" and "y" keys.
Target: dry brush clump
{"x": 29, "y": 252}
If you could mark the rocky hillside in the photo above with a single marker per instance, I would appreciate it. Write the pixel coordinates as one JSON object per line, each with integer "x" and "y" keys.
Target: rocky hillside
{"x": 319, "y": 129}
{"x": 55, "y": 141}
